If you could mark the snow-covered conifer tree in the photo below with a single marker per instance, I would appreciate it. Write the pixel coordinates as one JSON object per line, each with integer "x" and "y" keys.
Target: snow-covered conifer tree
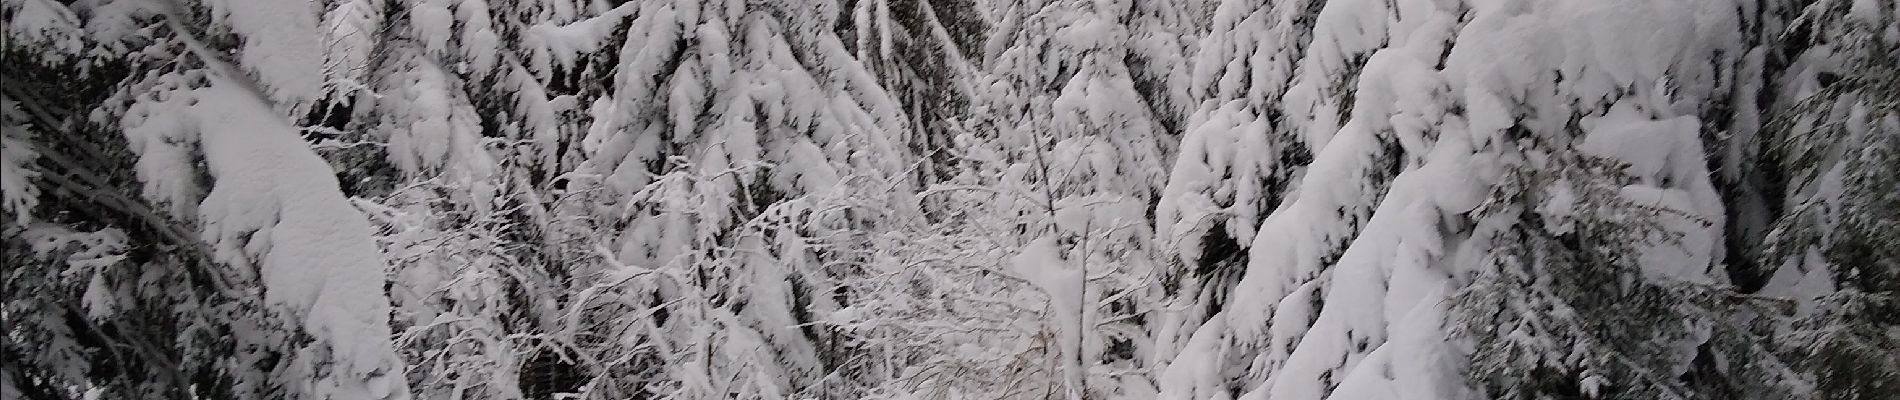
{"x": 221, "y": 257}
{"x": 1238, "y": 158}
{"x": 902, "y": 199}
{"x": 1075, "y": 132}
{"x": 1835, "y": 132}
{"x": 925, "y": 54}
{"x": 720, "y": 164}
{"x": 1512, "y": 128}
{"x": 435, "y": 113}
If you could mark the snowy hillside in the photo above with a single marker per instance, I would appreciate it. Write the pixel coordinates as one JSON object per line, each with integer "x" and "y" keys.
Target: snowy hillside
{"x": 950, "y": 199}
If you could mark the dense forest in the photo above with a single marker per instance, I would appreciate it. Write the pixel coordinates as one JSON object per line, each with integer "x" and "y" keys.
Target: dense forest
{"x": 950, "y": 199}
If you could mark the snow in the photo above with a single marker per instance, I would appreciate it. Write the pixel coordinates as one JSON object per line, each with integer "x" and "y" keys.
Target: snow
{"x": 1622, "y": 42}
{"x": 1196, "y": 373}
{"x": 1221, "y": 164}
{"x": 424, "y": 144}
{"x": 1665, "y": 156}
{"x": 1383, "y": 275}
{"x": 279, "y": 36}
{"x": 1560, "y": 207}
{"x": 275, "y": 206}
{"x": 1344, "y": 32}
{"x": 433, "y": 24}
{"x": 1417, "y": 363}
{"x": 433, "y": 131}
{"x": 18, "y": 193}
{"x": 48, "y": 24}
{"x": 163, "y": 143}
{"x": 478, "y": 42}
{"x": 711, "y": 108}
{"x": 1090, "y": 33}
{"x": 348, "y": 37}
{"x": 1801, "y": 279}
{"x": 560, "y": 46}
{"x": 743, "y": 188}
{"x": 1294, "y": 239}
{"x": 1647, "y": 145}
{"x": 540, "y": 117}
{"x": 1041, "y": 263}
{"x": 1391, "y": 264}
